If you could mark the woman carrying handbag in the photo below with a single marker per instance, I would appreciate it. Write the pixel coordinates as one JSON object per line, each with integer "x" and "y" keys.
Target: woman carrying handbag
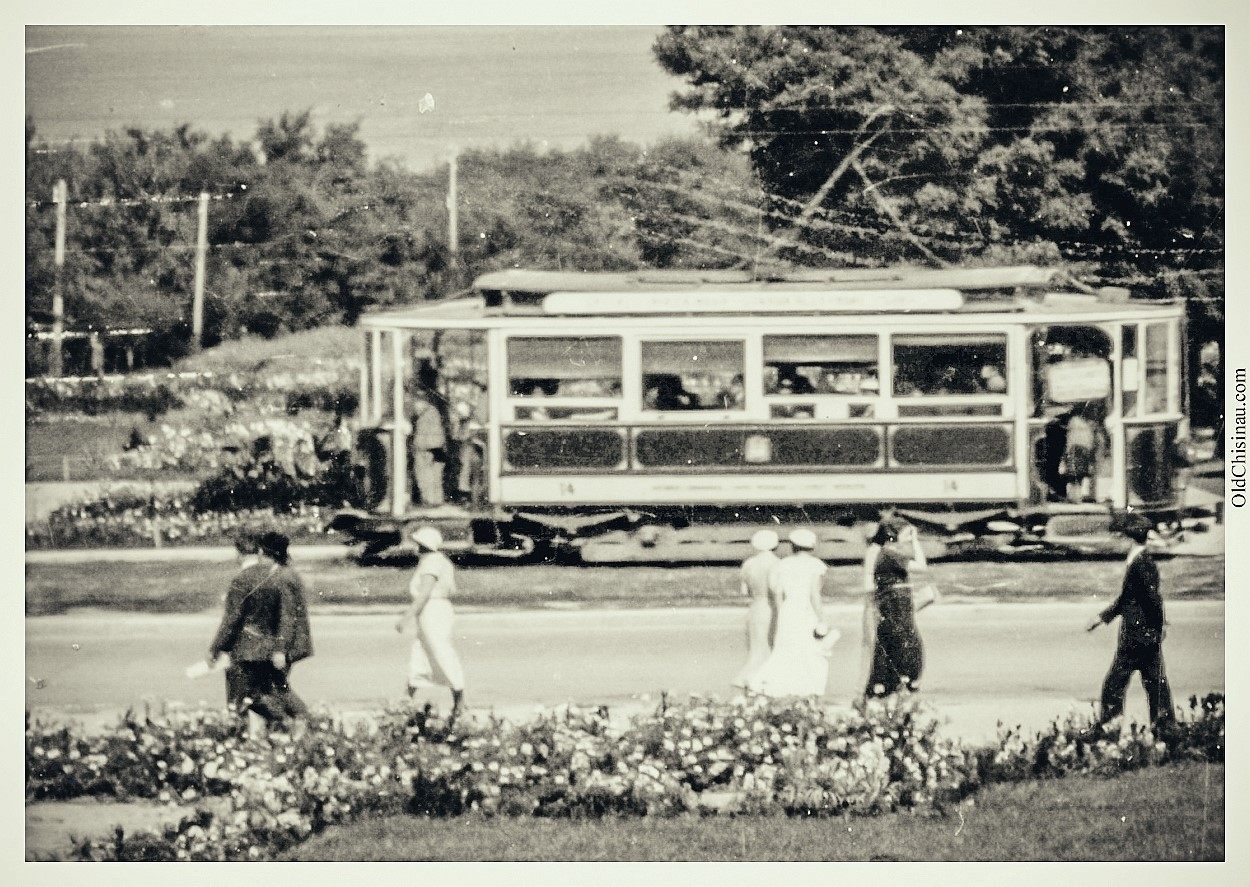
{"x": 896, "y": 657}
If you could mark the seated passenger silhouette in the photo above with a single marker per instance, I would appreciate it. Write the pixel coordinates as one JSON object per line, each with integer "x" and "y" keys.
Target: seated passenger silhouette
{"x": 666, "y": 392}
{"x": 791, "y": 381}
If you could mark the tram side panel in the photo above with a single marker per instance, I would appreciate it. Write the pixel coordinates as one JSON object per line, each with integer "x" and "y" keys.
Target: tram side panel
{"x": 862, "y": 464}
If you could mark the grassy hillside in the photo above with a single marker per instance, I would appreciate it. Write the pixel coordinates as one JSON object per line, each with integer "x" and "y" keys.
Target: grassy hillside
{"x": 290, "y": 352}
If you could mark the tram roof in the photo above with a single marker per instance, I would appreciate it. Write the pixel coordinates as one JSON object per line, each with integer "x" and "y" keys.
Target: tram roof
{"x": 904, "y": 277}
{"x": 521, "y": 293}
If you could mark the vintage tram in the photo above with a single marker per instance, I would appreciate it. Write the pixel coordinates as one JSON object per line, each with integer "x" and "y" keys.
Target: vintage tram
{"x": 666, "y": 415}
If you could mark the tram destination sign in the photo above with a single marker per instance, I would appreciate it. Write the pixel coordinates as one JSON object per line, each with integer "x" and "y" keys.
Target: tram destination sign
{"x": 754, "y": 301}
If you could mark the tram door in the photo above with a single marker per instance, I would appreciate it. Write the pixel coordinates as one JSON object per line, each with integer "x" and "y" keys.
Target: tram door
{"x": 449, "y": 378}
{"x": 1073, "y": 426}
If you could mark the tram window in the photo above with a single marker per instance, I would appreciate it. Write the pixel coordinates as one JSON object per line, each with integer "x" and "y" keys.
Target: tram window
{"x": 820, "y": 365}
{"x": 953, "y": 364}
{"x": 1156, "y": 354}
{"x": 385, "y": 410}
{"x": 693, "y": 375}
{"x": 792, "y": 411}
{"x": 1129, "y": 369}
{"x": 564, "y": 366}
{"x": 571, "y": 414}
{"x": 972, "y": 409}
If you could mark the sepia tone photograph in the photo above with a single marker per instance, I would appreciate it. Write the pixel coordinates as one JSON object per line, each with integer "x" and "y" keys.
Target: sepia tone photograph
{"x": 683, "y": 443}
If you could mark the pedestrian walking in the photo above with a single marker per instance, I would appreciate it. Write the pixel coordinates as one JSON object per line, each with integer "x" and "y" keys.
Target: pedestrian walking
{"x": 798, "y": 664}
{"x": 265, "y": 630}
{"x": 1139, "y": 647}
{"x": 433, "y": 659}
{"x": 248, "y": 553}
{"x": 761, "y": 614}
{"x": 897, "y": 652}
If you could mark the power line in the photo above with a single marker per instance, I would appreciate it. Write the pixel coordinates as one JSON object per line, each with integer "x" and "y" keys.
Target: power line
{"x": 975, "y": 128}
{"x": 138, "y": 201}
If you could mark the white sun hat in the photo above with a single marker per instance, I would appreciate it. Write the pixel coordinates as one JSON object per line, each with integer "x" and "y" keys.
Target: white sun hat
{"x": 803, "y": 538}
{"x": 765, "y": 540}
{"x": 428, "y": 537}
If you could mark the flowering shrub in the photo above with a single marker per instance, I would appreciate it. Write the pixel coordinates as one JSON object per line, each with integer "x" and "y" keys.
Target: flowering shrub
{"x": 1078, "y": 743}
{"x": 239, "y": 446}
{"x": 256, "y": 798}
{"x": 262, "y": 470}
{"x": 326, "y": 383}
{"x": 181, "y": 450}
{"x": 127, "y": 517}
{"x": 150, "y": 394}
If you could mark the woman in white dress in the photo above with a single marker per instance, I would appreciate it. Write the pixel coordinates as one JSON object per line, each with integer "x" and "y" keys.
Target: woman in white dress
{"x": 434, "y": 660}
{"x": 798, "y": 664}
{"x": 761, "y": 616}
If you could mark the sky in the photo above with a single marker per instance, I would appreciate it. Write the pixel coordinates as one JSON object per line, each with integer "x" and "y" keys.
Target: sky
{"x": 415, "y": 90}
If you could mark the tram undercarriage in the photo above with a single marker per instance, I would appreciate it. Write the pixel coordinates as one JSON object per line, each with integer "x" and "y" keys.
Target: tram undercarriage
{"x": 722, "y": 535}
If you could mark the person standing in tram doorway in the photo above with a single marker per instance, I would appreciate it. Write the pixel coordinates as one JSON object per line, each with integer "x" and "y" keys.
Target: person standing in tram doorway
{"x": 1139, "y": 646}
{"x": 434, "y": 659}
{"x": 471, "y": 447}
{"x": 761, "y": 615}
{"x": 429, "y": 437}
{"x": 1080, "y": 454}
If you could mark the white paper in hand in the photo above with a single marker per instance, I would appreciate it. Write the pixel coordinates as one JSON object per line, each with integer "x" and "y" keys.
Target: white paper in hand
{"x": 202, "y": 667}
{"x": 827, "y": 640}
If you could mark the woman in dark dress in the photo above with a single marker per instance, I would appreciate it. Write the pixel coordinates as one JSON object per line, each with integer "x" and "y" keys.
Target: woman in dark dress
{"x": 897, "y": 653}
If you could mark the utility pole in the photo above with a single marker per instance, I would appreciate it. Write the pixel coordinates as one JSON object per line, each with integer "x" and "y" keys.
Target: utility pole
{"x": 453, "y": 218}
{"x": 201, "y": 256}
{"x": 59, "y": 197}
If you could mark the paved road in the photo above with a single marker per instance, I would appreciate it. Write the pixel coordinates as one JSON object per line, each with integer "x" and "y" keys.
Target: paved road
{"x": 1019, "y": 662}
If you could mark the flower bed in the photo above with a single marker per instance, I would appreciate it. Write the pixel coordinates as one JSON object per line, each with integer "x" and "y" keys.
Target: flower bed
{"x": 255, "y": 469}
{"x": 257, "y": 798}
{"x": 1078, "y": 745}
{"x": 222, "y": 439}
{"x": 129, "y": 518}
{"x": 324, "y": 384}
{"x": 150, "y": 393}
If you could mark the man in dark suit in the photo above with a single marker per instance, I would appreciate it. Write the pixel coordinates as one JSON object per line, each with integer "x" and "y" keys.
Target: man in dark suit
{"x": 1140, "y": 645}
{"x": 265, "y": 630}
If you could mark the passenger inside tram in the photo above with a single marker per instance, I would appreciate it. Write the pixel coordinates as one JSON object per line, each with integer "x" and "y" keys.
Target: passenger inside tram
{"x": 589, "y": 388}
{"x": 791, "y": 381}
{"x": 666, "y": 392}
{"x": 535, "y": 387}
{"x": 943, "y": 365}
{"x": 1072, "y": 390}
{"x": 733, "y": 396}
{"x": 856, "y": 380}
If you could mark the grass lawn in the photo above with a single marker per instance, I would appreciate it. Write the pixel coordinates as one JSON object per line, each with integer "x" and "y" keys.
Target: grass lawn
{"x": 87, "y": 441}
{"x": 1167, "y": 813}
{"x": 193, "y": 587}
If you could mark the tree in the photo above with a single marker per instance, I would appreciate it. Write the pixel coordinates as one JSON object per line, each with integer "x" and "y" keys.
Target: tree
{"x": 953, "y": 144}
{"x": 288, "y": 138}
